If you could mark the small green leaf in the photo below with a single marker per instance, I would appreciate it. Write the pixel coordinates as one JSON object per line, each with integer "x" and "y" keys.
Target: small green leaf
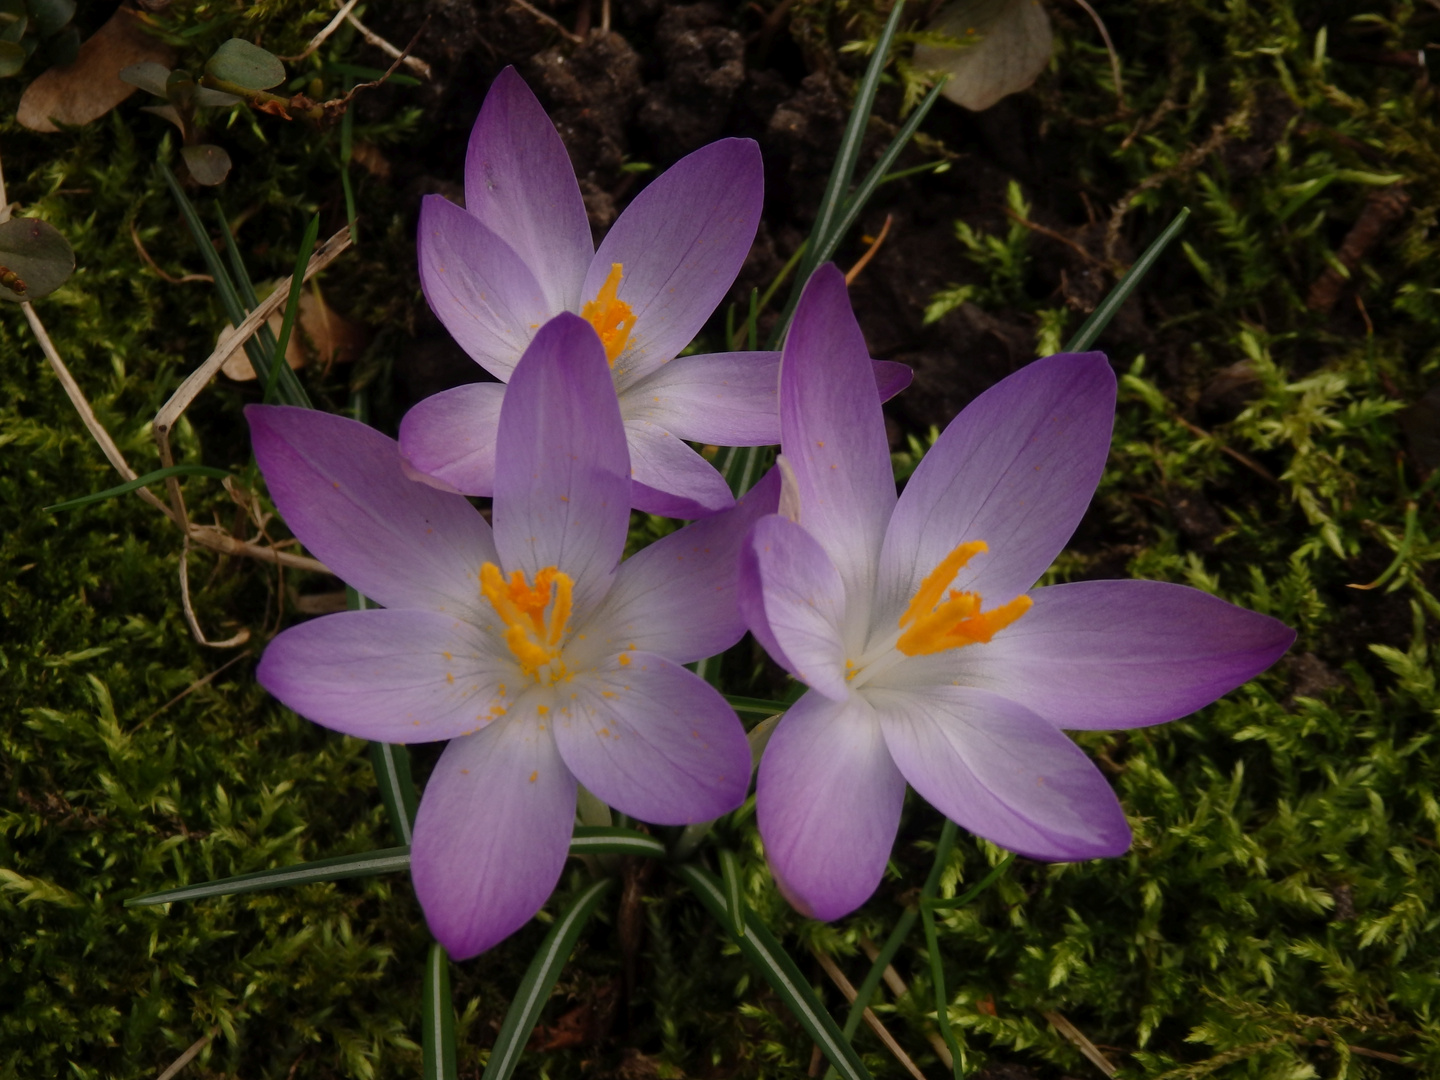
{"x": 749, "y": 706}
{"x": 12, "y": 59}
{"x": 139, "y": 482}
{"x": 51, "y": 16}
{"x": 734, "y": 897}
{"x": 180, "y": 91}
{"x": 14, "y": 20}
{"x": 247, "y": 65}
{"x": 148, "y": 75}
{"x": 539, "y": 981}
{"x": 208, "y": 164}
{"x": 38, "y": 259}
{"x": 205, "y": 98}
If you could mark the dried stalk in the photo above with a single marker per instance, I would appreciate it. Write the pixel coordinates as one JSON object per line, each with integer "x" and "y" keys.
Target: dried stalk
{"x": 838, "y": 978}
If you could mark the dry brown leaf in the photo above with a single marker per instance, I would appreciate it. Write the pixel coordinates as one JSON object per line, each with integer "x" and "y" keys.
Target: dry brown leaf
{"x": 90, "y": 87}
{"x": 1012, "y": 46}
{"x": 323, "y": 335}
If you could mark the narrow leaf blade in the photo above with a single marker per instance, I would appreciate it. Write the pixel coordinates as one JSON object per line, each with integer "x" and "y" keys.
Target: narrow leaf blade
{"x": 1101, "y": 316}
{"x": 539, "y": 981}
{"x": 365, "y": 864}
{"x": 437, "y": 1041}
{"x": 139, "y": 482}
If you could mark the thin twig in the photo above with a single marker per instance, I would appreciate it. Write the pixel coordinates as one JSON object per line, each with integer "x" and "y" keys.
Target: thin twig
{"x": 341, "y": 104}
{"x": 1258, "y": 469}
{"x": 899, "y": 989}
{"x": 185, "y": 1058}
{"x": 196, "y": 685}
{"x": 1109, "y": 48}
{"x": 838, "y": 978}
{"x": 208, "y": 536}
{"x": 190, "y": 619}
{"x": 414, "y": 63}
{"x": 150, "y": 262}
{"x": 1053, "y": 235}
{"x": 319, "y": 39}
{"x": 864, "y": 260}
{"x": 170, "y": 413}
{"x": 1081, "y": 1043}
{"x": 574, "y": 39}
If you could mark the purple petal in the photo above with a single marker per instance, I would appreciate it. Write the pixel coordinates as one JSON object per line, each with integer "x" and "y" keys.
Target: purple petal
{"x": 833, "y": 433}
{"x": 478, "y": 286}
{"x": 681, "y": 243}
{"x": 726, "y": 399}
{"x": 562, "y": 478}
{"x": 1121, "y": 654}
{"x": 677, "y": 597}
{"x": 492, "y": 833}
{"x": 671, "y": 479}
{"x": 654, "y": 741}
{"x": 891, "y": 378}
{"x": 338, "y": 485}
{"x": 450, "y": 436}
{"x": 793, "y": 600}
{"x": 828, "y": 802}
{"x": 1002, "y": 772}
{"x": 519, "y": 183}
{"x": 1016, "y": 469}
{"x": 392, "y": 676}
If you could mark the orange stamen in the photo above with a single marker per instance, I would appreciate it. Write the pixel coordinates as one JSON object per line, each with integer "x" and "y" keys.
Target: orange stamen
{"x": 611, "y": 316}
{"x": 532, "y": 638}
{"x": 937, "y": 620}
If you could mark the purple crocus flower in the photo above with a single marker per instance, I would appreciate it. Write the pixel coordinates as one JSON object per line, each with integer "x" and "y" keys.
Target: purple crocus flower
{"x": 540, "y": 656}
{"x": 520, "y": 252}
{"x": 929, "y": 657}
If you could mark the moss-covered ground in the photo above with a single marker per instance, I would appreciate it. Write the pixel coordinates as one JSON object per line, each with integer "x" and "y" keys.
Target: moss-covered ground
{"x": 1279, "y": 914}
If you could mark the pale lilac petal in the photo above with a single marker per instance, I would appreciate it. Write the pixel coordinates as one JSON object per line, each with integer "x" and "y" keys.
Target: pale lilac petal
{"x": 1116, "y": 654}
{"x": 338, "y": 485}
{"x": 891, "y": 378}
{"x": 1002, "y": 772}
{"x": 677, "y": 596}
{"x": 833, "y": 434}
{"x": 1016, "y": 469}
{"x": 725, "y": 399}
{"x": 478, "y": 286}
{"x": 828, "y": 802}
{"x": 671, "y": 479}
{"x": 681, "y": 243}
{"x": 520, "y": 184}
{"x": 653, "y": 740}
{"x": 793, "y": 600}
{"x": 492, "y": 833}
{"x": 562, "y": 478}
{"x": 450, "y": 436}
{"x": 391, "y": 676}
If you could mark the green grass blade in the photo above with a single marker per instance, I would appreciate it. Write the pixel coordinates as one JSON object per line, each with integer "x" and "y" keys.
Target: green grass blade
{"x": 762, "y": 950}
{"x": 139, "y": 482}
{"x": 749, "y": 706}
{"x": 391, "y": 762}
{"x": 292, "y": 306}
{"x": 608, "y": 840}
{"x": 897, "y": 936}
{"x": 877, "y": 175}
{"x": 539, "y": 981}
{"x": 438, "y": 1015}
{"x": 942, "y": 1000}
{"x": 1101, "y": 316}
{"x": 995, "y": 874}
{"x": 734, "y": 898}
{"x": 832, "y": 202}
{"x": 365, "y": 864}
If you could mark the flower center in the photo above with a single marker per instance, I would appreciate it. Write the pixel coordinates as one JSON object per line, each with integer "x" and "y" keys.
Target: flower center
{"x": 941, "y": 618}
{"x": 533, "y": 637}
{"x": 611, "y": 316}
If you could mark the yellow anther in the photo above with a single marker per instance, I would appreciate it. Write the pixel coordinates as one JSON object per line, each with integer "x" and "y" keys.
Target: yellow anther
{"x": 532, "y": 638}
{"x": 612, "y": 318}
{"x": 938, "y": 619}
